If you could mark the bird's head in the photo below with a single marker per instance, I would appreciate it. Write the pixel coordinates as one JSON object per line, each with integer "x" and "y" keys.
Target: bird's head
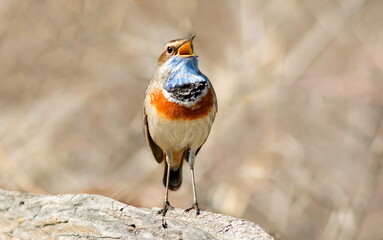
{"x": 178, "y": 64}
{"x": 179, "y": 47}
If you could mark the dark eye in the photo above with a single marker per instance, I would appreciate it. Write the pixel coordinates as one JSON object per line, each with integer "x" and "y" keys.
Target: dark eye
{"x": 169, "y": 49}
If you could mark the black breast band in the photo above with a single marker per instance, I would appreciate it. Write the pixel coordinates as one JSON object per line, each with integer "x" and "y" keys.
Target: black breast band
{"x": 187, "y": 92}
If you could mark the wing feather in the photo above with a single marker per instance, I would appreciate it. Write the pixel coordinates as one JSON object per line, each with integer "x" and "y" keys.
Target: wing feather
{"x": 156, "y": 150}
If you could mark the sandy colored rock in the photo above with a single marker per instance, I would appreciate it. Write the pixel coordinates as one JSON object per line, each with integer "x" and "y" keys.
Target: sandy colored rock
{"x": 84, "y": 216}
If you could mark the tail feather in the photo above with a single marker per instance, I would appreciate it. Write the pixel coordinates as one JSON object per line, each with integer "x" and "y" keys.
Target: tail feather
{"x": 175, "y": 177}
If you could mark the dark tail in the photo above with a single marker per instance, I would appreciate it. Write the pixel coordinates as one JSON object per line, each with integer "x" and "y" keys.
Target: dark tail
{"x": 175, "y": 177}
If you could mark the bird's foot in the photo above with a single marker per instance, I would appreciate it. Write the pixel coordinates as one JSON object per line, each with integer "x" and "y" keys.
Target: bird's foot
{"x": 194, "y": 206}
{"x": 166, "y": 207}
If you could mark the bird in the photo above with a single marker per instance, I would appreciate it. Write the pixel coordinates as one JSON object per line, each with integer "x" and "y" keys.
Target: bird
{"x": 180, "y": 106}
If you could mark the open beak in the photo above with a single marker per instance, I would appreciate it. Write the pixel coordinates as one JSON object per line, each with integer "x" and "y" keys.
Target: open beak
{"x": 186, "y": 50}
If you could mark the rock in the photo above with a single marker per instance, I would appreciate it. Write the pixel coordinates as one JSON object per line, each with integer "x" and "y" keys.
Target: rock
{"x": 85, "y": 216}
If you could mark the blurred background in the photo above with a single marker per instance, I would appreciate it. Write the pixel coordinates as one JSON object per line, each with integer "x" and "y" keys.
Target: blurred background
{"x": 297, "y": 145}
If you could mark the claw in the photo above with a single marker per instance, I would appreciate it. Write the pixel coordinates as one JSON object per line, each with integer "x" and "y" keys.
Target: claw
{"x": 166, "y": 207}
{"x": 194, "y": 206}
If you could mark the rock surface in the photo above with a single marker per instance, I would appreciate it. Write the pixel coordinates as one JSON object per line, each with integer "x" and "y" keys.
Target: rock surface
{"x": 84, "y": 216}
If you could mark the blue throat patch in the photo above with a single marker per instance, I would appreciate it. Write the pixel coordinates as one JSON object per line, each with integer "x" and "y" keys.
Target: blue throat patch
{"x": 183, "y": 70}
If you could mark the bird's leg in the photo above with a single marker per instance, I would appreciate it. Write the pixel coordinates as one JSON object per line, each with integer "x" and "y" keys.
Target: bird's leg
{"x": 195, "y": 203}
{"x": 167, "y": 205}
{"x": 191, "y": 161}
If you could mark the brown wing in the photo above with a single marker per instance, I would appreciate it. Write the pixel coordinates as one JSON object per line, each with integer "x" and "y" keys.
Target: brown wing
{"x": 156, "y": 150}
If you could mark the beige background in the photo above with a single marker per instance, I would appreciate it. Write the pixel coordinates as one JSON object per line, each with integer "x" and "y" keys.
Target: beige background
{"x": 297, "y": 145}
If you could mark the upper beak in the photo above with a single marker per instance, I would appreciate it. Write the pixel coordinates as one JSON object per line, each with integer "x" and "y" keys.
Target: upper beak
{"x": 186, "y": 50}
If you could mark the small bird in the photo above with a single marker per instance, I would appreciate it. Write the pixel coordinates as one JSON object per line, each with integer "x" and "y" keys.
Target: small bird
{"x": 179, "y": 109}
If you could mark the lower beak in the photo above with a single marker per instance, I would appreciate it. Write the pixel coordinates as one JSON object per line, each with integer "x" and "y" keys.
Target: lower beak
{"x": 186, "y": 50}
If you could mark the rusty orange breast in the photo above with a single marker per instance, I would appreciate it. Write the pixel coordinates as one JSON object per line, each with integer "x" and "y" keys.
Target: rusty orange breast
{"x": 173, "y": 110}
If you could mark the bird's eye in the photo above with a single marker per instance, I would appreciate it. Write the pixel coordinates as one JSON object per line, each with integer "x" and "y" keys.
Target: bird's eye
{"x": 169, "y": 49}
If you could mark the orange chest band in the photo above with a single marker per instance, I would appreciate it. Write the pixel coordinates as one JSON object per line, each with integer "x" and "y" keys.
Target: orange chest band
{"x": 173, "y": 110}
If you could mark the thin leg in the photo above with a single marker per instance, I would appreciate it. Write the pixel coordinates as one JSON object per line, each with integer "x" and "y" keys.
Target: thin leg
{"x": 167, "y": 205}
{"x": 195, "y": 203}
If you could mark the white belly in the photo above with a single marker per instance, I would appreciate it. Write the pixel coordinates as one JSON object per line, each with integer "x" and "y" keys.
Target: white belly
{"x": 173, "y": 135}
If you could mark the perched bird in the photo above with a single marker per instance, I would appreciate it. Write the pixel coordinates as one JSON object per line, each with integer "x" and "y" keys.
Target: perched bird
{"x": 179, "y": 109}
